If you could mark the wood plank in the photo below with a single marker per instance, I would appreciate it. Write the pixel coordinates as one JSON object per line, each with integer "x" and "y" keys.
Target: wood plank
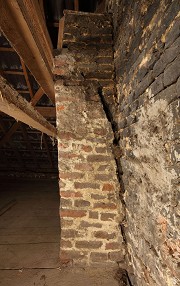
{"x": 37, "y": 96}
{"x": 30, "y": 238}
{"x": 40, "y": 255}
{"x": 46, "y": 112}
{"x": 6, "y": 139}
{"x": 12, "y": 72}
{"x": 47, "y": 150}
{"x": 7, "y": 206}
{"x": 9, "y": 133}
{"x": 22, "y": 91}
{"x": 26, "y": 78}
{"x": 76, "y": 5}
{"x": 23, "y": 26}
{"x": 14, "y": 105}
{"x": 6, "y": 49}
{"x": 28, "y": 144}
{"x": 53, "y": 24}
{"x": 41, "y": 3}
{"x": 60, "y": 33}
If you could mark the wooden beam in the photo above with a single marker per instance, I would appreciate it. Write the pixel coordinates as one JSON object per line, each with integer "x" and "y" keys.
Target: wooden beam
{"x": 47, "y": 150}
{"x": 60, "y": 33}
{"x": 12, "y": 72}
{"x": 53, "y": 24}
{"x": 9, "y": 133}
{"x": 28, "y": 144}
{"x": 23, "y": 25}
{"x": 6, "y": 49}
{"x": 15, "y": 150}
{"x": 26, "y": 78}
{"x": 4, "y": 160}
{"x": 76, "y": 5}
{"x": 46, "y": 111}
{"x": 22, "y": 91}
{"x": 14, "y": 105}
{"x": 41, "y": 4}
{"x": 39, "y": 93}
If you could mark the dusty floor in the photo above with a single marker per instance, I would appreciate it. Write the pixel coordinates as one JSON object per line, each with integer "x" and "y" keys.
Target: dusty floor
{"x": 29, "y": 240}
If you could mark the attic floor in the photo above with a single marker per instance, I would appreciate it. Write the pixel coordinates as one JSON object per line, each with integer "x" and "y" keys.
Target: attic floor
{"x": 29, "y": 239}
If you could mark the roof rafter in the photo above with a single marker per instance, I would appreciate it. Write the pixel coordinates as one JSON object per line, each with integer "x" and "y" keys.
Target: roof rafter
{"x": 26, "y": 77}
{"x": 28, "y": 144}
{"x": 30, "y": 39}
{"x": 9, "y": 133}
{"x": 47, "y": 150}
{"x": 39, "y": 93}
{"x": 6, "y": 140}
{"x": 14, "y": 105}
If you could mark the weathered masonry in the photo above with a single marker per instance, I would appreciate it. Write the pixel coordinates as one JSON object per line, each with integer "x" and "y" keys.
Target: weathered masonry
{"x": 103, "y": 79}
{"x": 89, "y": 189}
{"x": 138, "y": 101}
{"x": 147, "y": 67}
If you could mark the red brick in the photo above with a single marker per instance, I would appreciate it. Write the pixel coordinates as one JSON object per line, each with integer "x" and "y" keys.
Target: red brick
{"x": 68, "y": 233}
{"x": 60, "y": 107}
{"x": 93, "y": 215}
{"x": 83, "y": 167}
{"x": 85, "y": 185}
{"x": 70, "y": 194}
{"x": 108, "y": 187}
{"x": 58, "y": 71}
{"x": 107, "y": 217}
{"x": 72, "y": 213}
{"x": 98, "y": 257}
{"x": 68, "y": 255}
{"x": 101, "y": 150}
{"x": 65, "y": 244}
{"x": 67, "y": 98}
{"x": 67, "y": 155}
{"x": 65, "y": 257}
{"x": 66, "y": 223}
{"x": 66, "y": 135}
{"x": 112, "y": 246}
{"x": 61, "y": 184}
{"x": 59, "y": 61}
{"x": 88, "y": 244}
{"x": 109, "y": 206}
{"x": 104, "y": 235}
{"x": 103, "y": 168}
{"x": 100, "y": 131}
{"x": 97, "y": 197}
{"x": 85, "y": 224}
{"x": 63, "y": 145}
{"x": 81, "y": 203}
{"x": 86, "y": 148}
{"x": 98, "y": 158}
{"x": 116, "y": 256}
{"x": 66, "y": 203}
{"x": 103, "y": 177}
{"x": 71, "y": 176}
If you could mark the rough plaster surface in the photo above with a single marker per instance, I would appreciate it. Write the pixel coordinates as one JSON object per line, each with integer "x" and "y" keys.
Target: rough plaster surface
{"x": 146, "y": 45}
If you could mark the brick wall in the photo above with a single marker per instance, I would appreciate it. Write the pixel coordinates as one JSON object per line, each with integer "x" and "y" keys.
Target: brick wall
{"x": 90, "y": 209}
{"x": 147, "y": 63}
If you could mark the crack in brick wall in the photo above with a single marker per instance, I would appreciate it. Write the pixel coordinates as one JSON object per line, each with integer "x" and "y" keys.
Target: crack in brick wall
{"x": 89, "y": 188}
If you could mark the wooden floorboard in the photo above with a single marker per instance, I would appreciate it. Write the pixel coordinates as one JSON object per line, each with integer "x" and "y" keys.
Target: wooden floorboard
{"x": 30, "y": 228}
{"x": 40, "y": 255}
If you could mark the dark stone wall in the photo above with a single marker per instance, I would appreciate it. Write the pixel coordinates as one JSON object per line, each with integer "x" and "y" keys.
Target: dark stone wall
{"x": 145, "y": 117}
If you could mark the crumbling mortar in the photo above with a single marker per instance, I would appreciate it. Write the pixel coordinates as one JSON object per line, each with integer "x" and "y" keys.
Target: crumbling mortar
{"x": 116, "y": 146}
